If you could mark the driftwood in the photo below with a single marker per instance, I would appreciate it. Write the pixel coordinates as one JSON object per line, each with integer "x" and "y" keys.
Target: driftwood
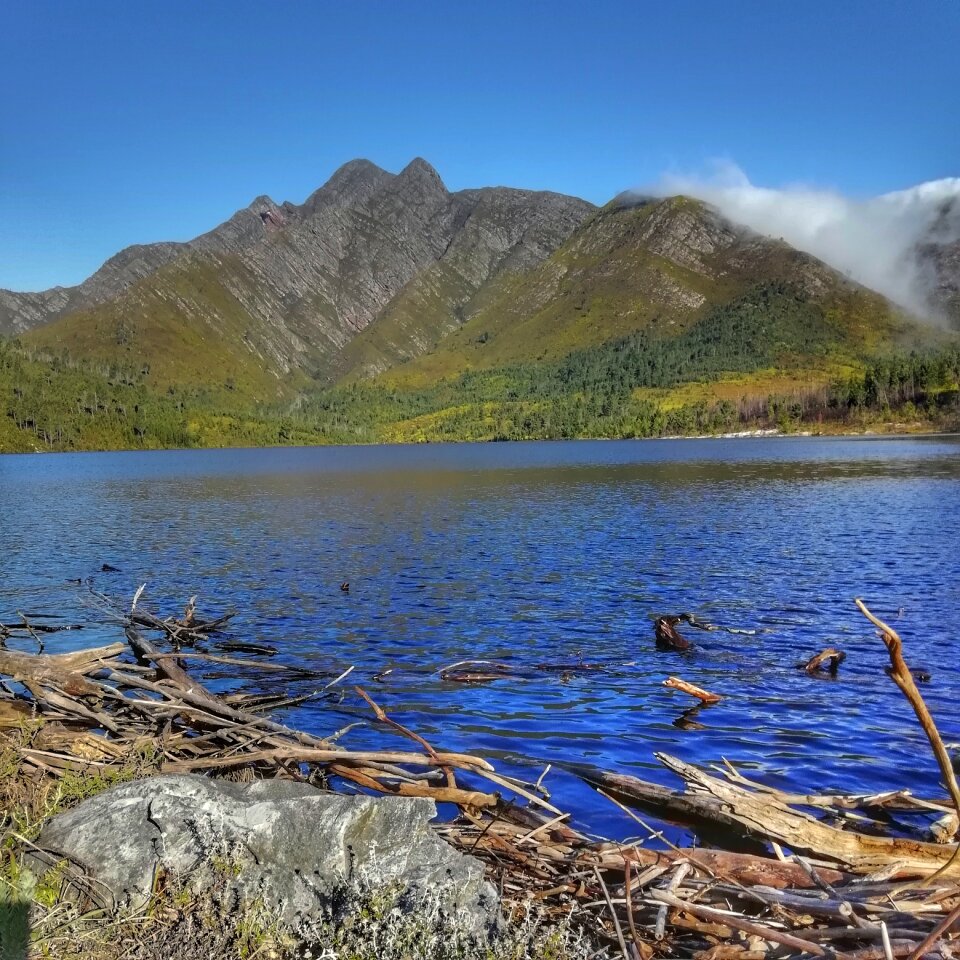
{"x": 484, "y": 671}
{"x": 65, "y": 670}
{"x": 704, "y": 696}
{"x": 182, "y": 631}
{"x": 719, "y": 806}
{"x": 668, "y": 638}
{"x": 95, "y": 710}
{"x": 903, "y": 678}
{"x": 475, "y": 671}
{"x": 828, "y": 659}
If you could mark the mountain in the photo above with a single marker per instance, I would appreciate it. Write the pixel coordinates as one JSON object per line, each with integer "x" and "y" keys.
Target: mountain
{"x": 281, "y": 290}
{"x": 659, "y": 266}
{"x": 385, "y": 307}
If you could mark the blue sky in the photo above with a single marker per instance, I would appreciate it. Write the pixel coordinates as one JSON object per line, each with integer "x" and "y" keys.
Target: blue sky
{"x": 124, "y": 122}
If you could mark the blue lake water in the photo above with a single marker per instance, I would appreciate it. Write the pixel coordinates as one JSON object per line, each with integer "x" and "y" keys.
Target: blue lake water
{"x": 541, "y": 553}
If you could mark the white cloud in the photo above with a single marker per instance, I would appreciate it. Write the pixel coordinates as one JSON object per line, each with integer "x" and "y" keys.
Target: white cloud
{"x": 873, "y": 241}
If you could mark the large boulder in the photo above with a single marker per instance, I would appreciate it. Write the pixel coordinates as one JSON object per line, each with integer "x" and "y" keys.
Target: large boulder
{"x": 285, "y": 845}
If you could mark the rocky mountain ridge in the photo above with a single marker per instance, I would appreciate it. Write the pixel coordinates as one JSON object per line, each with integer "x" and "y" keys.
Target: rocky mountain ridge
{"x": 288, "y": 286}
{"x": 391, "y": 276}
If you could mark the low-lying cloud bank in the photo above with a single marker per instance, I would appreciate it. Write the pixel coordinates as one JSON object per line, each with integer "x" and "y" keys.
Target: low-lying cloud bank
{"x": 875, "y": 241}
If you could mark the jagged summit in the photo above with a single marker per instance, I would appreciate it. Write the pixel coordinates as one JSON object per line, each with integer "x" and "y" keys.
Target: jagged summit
{"x": 290, "y": 286}
{"x": 353, "y": 169}
{"x": 350, "y": 183}
{"x": 419, "y": 170}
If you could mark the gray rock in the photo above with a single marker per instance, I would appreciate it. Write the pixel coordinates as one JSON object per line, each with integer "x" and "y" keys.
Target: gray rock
{"x": 286, "y": 845}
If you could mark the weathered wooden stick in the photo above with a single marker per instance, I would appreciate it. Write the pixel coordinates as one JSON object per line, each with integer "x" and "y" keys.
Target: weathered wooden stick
{"x": 314, "y": 755}
{"x": 399, "y": 727}
{"x": 704, "y": 696}
{"x": 895, "y": 800}
{"x": 613, "y": 914}
{"x": 230, "y": 661}
{"x": 903, "y": 678}
{"x": 740, "y": 923}
{"x": 744, "y": 868}
{"x": 489, "y": 774}
{"x": 938, "y": 931}
{"x": 466, "y": 798}
{"x": 195, "y": 693}
{"x": 831, "y": 657}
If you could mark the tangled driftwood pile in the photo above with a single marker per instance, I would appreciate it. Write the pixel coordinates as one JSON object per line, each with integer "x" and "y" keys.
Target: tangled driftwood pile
{"x": 782, "y": 874}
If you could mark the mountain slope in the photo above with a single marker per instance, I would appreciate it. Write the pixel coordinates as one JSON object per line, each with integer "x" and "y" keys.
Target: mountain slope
{"x": 657, "y": 266}
{"x": 283, "y": 289}
{"x": 387, "y": 308}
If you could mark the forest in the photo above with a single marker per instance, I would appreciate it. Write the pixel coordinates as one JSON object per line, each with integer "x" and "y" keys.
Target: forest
{"x": 636, "y": 386}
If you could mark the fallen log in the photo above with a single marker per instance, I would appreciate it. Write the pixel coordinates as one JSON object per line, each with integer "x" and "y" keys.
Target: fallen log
{"x": 766, "y": 818}
{"x": 65, "y": 670}
{"x": 719, "y": 810}
{"x": 747, "y": 869}
{"x": 475, "y": 671}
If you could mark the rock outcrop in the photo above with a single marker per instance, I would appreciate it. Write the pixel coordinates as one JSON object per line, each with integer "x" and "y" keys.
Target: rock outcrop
{"x": 285, "y": 845}
{"x": 939, "y": 259}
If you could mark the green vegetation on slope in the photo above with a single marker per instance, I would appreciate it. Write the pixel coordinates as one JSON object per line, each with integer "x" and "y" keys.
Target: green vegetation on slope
{"x": 50, "y": 403}
{"x": 772, "y": 334}
{"x": 659, "y": 268}
{"x": 182, "y": 328}
{"x": 768, "y": 358}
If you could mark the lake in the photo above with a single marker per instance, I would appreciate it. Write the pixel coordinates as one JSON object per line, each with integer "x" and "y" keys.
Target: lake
{"x": 533, "y": 554}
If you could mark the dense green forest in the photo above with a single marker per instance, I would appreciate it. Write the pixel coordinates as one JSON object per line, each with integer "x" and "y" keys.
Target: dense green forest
{"x": 54, "y": 402}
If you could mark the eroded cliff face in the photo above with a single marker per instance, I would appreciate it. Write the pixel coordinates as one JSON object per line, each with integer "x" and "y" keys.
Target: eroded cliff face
{"x": 946, "y": 263}
{"x": 939, "y": 258}
{"x": 290, "y": 286}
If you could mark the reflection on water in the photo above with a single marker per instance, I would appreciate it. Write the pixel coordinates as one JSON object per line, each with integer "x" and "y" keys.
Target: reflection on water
{"x": 528, "y": 553}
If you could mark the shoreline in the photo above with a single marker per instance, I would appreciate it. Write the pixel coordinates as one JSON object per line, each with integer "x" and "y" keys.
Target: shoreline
{"x": 759, "y": 434}
{"x": 80, "y": 725}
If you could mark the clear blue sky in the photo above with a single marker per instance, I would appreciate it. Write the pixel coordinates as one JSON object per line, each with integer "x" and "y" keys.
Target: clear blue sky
{"x": 142, "y": 120}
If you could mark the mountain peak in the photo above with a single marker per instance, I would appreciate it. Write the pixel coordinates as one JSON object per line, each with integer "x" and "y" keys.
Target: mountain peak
{"x": 354, "y": 181}
{"x": 358, "y": 169}
{"x": 419, "y": 170}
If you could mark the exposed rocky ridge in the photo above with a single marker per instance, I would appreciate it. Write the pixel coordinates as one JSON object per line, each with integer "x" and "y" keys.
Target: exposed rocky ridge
{"x": 380, "y": 273}
{"x": 21, "y": 311}
{"x": 290, "y": 286}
